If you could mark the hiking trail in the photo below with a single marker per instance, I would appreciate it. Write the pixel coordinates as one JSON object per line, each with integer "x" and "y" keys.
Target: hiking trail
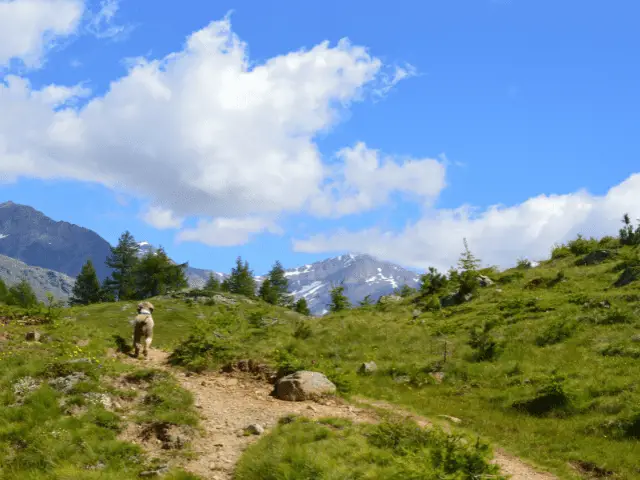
{"x": 229, "y": 403}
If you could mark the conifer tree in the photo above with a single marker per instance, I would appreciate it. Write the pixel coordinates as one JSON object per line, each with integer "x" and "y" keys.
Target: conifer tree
{"x": 123, "y": 260}
{"x": 4, "y": 291}
{"x": 213, "y": 284}
{"x": 278, "y": 286}
{"x": 155, "y": 274}
{"x": 87, "y": 287}
{"x": 302, "y": 307}
{"x": 468, "y": 265}
{"x": 432, "y": 282}
{"x": 339, "y": 301}
{"x": 268, "y": 293}
{"x": 366, "y": 301}
{"x": 241, "y": 280}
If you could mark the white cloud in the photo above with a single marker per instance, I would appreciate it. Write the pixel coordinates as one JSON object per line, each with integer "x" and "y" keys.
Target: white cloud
{"x": 498, "y": 235}
{"x": 161, "y": 218}
{"x": 201, "y": 132}
{"x": 102, "y": 23}
{"x": 56, "y": 95}
{"x": 227, "y": 232}
{"x": 362, "y": 180}
{"x": 29, "y": 27}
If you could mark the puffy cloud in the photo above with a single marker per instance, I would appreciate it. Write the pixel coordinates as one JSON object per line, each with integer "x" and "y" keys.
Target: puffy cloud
{"x": 29, "y": 27}
{"x": 161, "y": 219}
{"x": 226, "y": 232}
{"x": 201, "y": 132}
{"x": 498, "y": 235}
{"x": 362, "y": 181}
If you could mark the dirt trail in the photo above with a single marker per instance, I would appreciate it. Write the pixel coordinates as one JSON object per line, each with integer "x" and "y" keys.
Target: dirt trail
{"x": 229, "y": 404}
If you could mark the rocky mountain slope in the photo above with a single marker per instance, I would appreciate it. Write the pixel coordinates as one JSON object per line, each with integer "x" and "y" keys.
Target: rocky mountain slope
{"x": 42, "y": 280}
{"x": 35, "y": 239}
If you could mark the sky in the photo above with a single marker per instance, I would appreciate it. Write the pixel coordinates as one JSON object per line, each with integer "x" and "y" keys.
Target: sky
{"x": 301, "y": 130}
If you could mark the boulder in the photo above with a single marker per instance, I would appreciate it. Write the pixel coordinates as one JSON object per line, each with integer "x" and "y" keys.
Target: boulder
{"x": 304, "y": 385}
{"x": 368, "y": 368}
{"x": 32, "y": 336}
{"x": 484, "y": 281}
{"x": 630, "y": 274}
{"x": 594, "y": 258}
{"x": 390, "y": 299}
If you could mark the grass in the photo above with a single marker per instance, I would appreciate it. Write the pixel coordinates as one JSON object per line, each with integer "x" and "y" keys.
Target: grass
{"x": 53, "y": 421}
{"x": 546, "y": 368}
{"x": 329, "y": 449}
{"x": 544, "y": 363}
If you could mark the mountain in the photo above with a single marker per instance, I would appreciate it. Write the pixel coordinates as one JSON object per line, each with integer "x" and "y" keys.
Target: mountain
{"x": 31, "y": 237}
{"x": 35, "y": 239}
{"x": 361, "y": 275}
{"x": 40, "y": 279}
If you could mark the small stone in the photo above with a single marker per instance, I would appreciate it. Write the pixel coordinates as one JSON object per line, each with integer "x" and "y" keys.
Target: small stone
{"x": 32, "y": 336}
{"x": 255, "y": 429}
{"x": 450, "y": 418}
{"x": 82, "y": 343}
{"x": 368, "y": 368}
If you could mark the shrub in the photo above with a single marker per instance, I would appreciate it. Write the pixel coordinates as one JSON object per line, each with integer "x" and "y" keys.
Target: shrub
{"x": 548, "y": 398}
{"x": 523, "y": 264}
{"x": 560, "y": 251}
{"x": 486, "y": 348}
{"x": 582, "y": 246}
{"x": 302, "y": 329}
{"x": 555, "y": 333}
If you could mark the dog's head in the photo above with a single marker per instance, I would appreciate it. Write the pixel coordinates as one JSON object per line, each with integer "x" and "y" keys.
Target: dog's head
{"x": 145, "y": 306}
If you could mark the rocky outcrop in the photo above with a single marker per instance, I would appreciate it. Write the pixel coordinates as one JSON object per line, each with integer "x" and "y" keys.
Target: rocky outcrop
{"x": 42, "y": 281}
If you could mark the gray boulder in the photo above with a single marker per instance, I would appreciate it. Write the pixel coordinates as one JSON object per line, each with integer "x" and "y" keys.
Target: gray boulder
{"x": 304, "y": 385}
{"x": 629, "y": 275}
{"x": 484, "y": 281}
{"x": 368, "y": 368}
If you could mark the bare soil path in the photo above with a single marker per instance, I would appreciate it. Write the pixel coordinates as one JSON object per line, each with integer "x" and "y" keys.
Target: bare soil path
{"x": 229, "y": 404}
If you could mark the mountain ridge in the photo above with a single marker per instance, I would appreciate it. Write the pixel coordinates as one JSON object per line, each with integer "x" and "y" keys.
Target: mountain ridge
{"x": 33, "y": 238}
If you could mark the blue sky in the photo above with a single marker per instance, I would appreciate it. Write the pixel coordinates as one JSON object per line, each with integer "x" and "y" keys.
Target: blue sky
{"x": 528, "y": 105}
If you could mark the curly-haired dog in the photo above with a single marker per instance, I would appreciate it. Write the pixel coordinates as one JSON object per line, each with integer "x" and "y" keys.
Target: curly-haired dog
{"x": 143, "y": 328}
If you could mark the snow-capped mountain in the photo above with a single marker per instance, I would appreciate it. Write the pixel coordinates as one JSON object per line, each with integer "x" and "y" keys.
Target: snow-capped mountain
{"x": 361, "y": 275}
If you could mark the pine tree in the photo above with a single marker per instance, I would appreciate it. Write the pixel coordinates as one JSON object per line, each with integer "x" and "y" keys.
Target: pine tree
{"x": 225, "y": 286}
{"x": 279, "y": 284}
{"x": 268, "y": 293}
{"x": 123, "y": 260}
{"x": 241, "y": 280}
{"x": 432, "y": 282}
{"x": 21, "y": 294}
{"x": 4, "y": 291}
{"x": 106, "y": 292}
{"x": 213, "y": 284}
{"x": 366, "y": 301}
{"x": 339, "y": 301}
{"x": 155, "y": 274}
{"x": 302, "y": 307}
{"x": 469, "y": 265}
{"x": 87, "y": 287}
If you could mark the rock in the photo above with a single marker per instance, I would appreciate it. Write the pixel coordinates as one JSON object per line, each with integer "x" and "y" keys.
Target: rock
{"x": 66, "y": 384}
{"x": 99, "y": 399}
{"x": 156, "y": 472}
{"x": 450, "y": 418}
{"x": 368, "y": 368}
{"x": 402, "y": 379}
{"x": 635, "y": 339}
{"x": 390, "y": 299}
{"x": 594, "y": 258}
{"x": 416, "y": 313}
{"x": 437, "y": 376}
{"x": 304, "y": 385}
{"x": 33, "y": 336}
{"x": 254, "y": 429}
{"x": 82, "y": 343}
{"x": 485, "y": 281}
{"x": 224, "y": 300}
{"x": 25, "y": 386}
{"x": 499, "y": 290}
{"x": 630, "y": 274}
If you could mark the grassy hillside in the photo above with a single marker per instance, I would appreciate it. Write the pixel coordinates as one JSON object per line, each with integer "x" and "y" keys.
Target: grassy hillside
{"x": 545, "y": 362}
{"x": 67, "y": 402}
